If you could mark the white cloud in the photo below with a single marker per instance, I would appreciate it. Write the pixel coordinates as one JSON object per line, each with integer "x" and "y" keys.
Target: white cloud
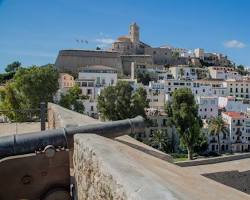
{"x": 104, "y": 42}
{"x": 234, "y": 44}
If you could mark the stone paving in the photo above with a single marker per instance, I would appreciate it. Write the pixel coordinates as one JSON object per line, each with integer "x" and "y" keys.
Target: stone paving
{"x": 17, "y": 128}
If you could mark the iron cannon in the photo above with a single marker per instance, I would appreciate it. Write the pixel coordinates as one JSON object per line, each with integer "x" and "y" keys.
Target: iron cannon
{"x": 37, "y": 165}
{"x": 63, "y": 138}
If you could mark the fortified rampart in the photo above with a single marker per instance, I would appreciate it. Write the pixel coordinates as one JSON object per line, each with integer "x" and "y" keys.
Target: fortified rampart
{"x": 73, "y": 60}
{"x": 124, "y": 168}
{"x": 104, "y": 168}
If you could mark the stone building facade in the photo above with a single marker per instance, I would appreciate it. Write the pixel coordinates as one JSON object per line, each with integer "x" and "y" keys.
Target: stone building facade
{"x": 73, "y": 60}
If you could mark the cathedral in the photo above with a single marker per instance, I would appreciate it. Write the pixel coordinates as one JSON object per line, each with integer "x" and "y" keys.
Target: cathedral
{"x": 124, "y": 51}
{"x": 130, "y": 44}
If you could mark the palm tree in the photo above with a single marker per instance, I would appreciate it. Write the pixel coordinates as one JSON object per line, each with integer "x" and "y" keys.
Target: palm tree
{"x": 217, "y": 126}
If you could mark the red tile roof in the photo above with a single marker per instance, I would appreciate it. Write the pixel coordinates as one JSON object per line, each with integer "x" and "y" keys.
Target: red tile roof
{"x": 235, "y": 114}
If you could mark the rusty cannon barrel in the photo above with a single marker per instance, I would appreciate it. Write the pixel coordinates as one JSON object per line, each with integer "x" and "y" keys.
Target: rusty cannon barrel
{"x": 63, "y": 138}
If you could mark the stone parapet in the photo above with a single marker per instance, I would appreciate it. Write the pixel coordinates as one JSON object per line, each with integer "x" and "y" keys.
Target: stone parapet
{"x": 124, "y": 168}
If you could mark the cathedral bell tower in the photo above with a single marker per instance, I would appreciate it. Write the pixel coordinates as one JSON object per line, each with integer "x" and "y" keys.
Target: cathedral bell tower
{"x": 134, "y": 33}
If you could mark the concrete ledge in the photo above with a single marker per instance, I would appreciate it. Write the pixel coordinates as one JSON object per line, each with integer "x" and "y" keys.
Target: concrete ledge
{"x": 108, "y": 169}
{"x": 207, "y": 161}
{"x": 104, "y": 171}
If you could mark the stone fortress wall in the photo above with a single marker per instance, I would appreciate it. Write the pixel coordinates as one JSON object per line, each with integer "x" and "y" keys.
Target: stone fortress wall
{"x": 73, "y": 60}
{"x": 124, "y": 51}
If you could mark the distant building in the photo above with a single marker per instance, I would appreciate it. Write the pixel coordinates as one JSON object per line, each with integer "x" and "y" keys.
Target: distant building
{"x": 208, "y": 106}
{"x": 231, "y": 103}
{"x": 159, "y": 121}
{"x": 65, "y": 81}
{"x": 218, "y": 72}
{"x": 91, "y": 81}
{"x": 238, "y": 88}
{"x": 239, "y": 130}
{"x": 74, "y": 60}
{"x": 199, "y": 53}
{"x": 125, "y": 50}
{"x": 183, "y": 72}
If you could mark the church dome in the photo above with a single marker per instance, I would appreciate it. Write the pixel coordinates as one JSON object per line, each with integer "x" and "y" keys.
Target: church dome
{"x": 123, "y": 39}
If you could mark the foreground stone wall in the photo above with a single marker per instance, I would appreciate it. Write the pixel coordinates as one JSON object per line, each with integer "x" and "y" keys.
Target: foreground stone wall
{"x": 124, "y": 168}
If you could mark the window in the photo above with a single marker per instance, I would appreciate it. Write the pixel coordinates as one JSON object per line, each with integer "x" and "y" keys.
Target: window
{"x": 211, "y": 109}
{"x": 89, "y": 91}
{"x": 84, "y": 84}
{"x": 98, "y": 80}
{"x": 92, "y": 108}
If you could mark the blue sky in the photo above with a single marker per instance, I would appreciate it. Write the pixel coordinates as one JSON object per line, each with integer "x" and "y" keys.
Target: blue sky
{"x": 33, "y": 31}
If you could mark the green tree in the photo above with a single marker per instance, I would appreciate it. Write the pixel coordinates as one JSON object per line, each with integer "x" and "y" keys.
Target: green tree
{"x": 139, "y": 102}
{"x": 185, "y": 117}
{"x": 73, "y": 99}
{"x": 217, "y": 126}
{"x": 241, "y": 70}
{"x": 175, "y": 55}
{"x": 37, "y": 84}
{"x": 170, "y": 124}
{"x": 160, "y": 140}
{"x": 143, "y": 77}
{"x": 119, "y": 102}
{"x": 28, "y": 88}
{"x": 11, "y": 100}
{"x": 13, "y": 67}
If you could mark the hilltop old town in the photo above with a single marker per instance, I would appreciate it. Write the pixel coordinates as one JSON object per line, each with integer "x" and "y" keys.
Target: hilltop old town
{"x": 124, "y": 100}
{"x": 160, "y": 83}
{"x": 220, "y": 88}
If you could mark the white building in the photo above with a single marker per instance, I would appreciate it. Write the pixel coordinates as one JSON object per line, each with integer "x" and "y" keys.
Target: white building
{"x": 159, "y": 121}
{"x": 155, "y": 97}
{"x": 208, "y": 106}
{"x": 92, "y": 80}
{"x": 209, "y": 87}
{"x": 239, "y": 129}
{"x": 218, "y": 72}
{"x": 188, "y": 54}
{"x": 199, "y": 53}
{"x": 183, "y": 72}
{"x": 238, "y": 88}
{"x": 231, "y": 103}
